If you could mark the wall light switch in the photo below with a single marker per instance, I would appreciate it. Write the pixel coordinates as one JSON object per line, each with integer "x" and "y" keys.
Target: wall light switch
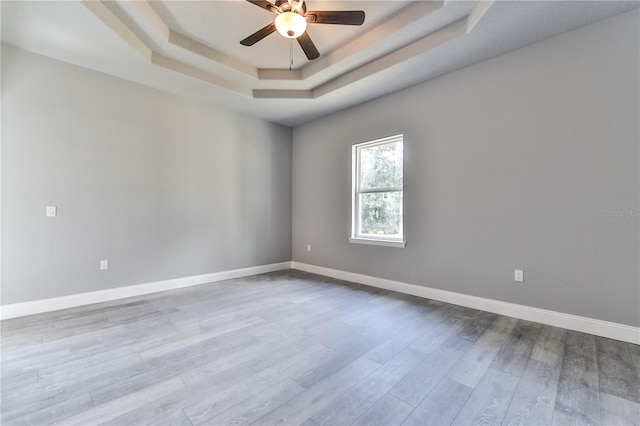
{"x": 104, "y": 264}
{"x": 308, "y": 247}
{"x": 518, "y": 275}
{"x": 52, "y": 211}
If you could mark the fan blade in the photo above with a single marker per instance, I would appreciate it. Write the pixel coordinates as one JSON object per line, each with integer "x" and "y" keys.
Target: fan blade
{"x": 308, "y": 47}
{"x": 340, "y": 17}
{"x": 259, "y": 35}
{"x": 267, "y": 5}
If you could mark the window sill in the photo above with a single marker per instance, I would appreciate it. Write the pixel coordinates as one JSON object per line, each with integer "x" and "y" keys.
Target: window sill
{"x": 372, "y": 242}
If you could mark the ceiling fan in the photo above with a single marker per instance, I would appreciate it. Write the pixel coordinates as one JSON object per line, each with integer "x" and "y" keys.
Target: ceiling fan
{"x": 291, "y": 22}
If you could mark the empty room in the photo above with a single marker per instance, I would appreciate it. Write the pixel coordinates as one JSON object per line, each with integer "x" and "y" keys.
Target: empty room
{"x": 320, "y": 212}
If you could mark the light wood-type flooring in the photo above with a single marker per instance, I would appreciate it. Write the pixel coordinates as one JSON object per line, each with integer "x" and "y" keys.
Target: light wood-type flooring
{"x": 293, "y": 348}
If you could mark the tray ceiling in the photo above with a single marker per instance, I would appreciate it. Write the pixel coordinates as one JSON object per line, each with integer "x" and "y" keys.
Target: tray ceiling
{"x": 192, "y": 48}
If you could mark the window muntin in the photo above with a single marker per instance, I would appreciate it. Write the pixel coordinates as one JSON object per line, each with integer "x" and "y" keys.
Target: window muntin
{"x": 378, "y": 191}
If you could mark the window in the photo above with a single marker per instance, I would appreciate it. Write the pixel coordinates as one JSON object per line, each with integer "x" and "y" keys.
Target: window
{"x": 377, "y": 192}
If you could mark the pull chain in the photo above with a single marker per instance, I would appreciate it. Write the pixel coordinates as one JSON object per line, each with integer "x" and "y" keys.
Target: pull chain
{"x": 291, "y": 55}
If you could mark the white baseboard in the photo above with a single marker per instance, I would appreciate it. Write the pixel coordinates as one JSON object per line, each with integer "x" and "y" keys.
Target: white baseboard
{"x": 611, "y": 330}
{"x": 47, "y": 305}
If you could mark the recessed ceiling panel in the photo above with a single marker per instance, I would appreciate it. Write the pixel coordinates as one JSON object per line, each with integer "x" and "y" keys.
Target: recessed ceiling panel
{"x": 222, "y": 24}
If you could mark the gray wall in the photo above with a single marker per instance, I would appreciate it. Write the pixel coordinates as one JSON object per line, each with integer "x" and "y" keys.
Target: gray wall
{"x": 161, "y": 186}
{"x": 511, "y": 163}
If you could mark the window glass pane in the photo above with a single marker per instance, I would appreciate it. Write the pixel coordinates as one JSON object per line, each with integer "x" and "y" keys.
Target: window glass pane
{"x": 381, "y": 214}
{"x": 381, "y": 166}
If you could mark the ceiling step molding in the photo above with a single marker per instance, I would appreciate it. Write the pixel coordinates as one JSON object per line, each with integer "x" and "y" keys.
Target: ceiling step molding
{"x": 188, "y": 43}
{"x": 365, "y": 52}
{"x": 282, "y": 94}
{"x": 477, "y": 13}
{"x": 400, "y": 21}
{"x": 154, "y": 19}
{"x": 210, "y": 53}
{"x": 279, "y": 74}
{"x": 195, "y": 72}
{"x": 117, "y": 26}
{"x": 419, "y": 47}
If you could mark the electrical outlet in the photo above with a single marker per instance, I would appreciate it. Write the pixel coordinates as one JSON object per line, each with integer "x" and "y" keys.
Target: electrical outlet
{"x": 518, "y": 275}
{"x": 308, "y": 247}
{"x": 104, "y": 265}
{"x": 52, "y": 211}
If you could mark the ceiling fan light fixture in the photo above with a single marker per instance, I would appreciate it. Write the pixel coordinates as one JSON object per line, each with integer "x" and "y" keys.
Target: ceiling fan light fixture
{"x": 291, "y": 24}
{"x": 295, "y": 4}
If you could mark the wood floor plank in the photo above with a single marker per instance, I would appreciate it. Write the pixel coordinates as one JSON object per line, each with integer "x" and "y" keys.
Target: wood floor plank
{"x": 273, "y": 355}
{"x": 203, "y": 334}
{"x": 210, "y": 406}
{"x": 549, "y": 348}
{"x": 616, "y": 372}
{"x": 242, "y": 355}
{"x": 335, "y": 334}
{"x": 104, "y": 412}
{"x": 441, "y": 406}
{"x": 475, "y": 362}
{"x": 618, "y": 411}
{"x": 250, "y": 410}
{"x": 577, "y": 399}
{"x": 179, "y": 418}
{"x": 417, "y": 385}
{"x": 14, "y": 369}
{"x": 449, "y": 324}
{"x": 309, "y": 422}
{"x": 326, "y": 366}
{"x": 365, "y": 394}
{"x": 388, "y": 410}
{"x": 141, "y": 376}
{"x": 634, "y": 350}
{"x": 534, "y": 399}
{"x": 35, "y": 352}
{"x": 400, "y": 341}
{"x": 410, "y": 314}
{"x": 475, "y": 326}
{"x": 32, "y": 398}
{"x": 516, "y": 350}
{"x": 84, "y": 368}
{"x": 65, "y": 384}
{"x": 50, "y": 413}
{"x": 489, "y": 401}
{"x": 163, "y": 407}
{"x": 128, "y": 377}
{"x": 228, "y": 343}
{"x": 8, "y": 384}
{"x": 303, "y": 406}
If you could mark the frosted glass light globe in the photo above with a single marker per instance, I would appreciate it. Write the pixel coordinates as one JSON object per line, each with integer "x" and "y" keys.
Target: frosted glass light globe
{"x": 290, "y": 24}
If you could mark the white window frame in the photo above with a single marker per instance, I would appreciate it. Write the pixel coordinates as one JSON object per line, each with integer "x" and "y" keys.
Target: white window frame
{"x": 378, "y": 240}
